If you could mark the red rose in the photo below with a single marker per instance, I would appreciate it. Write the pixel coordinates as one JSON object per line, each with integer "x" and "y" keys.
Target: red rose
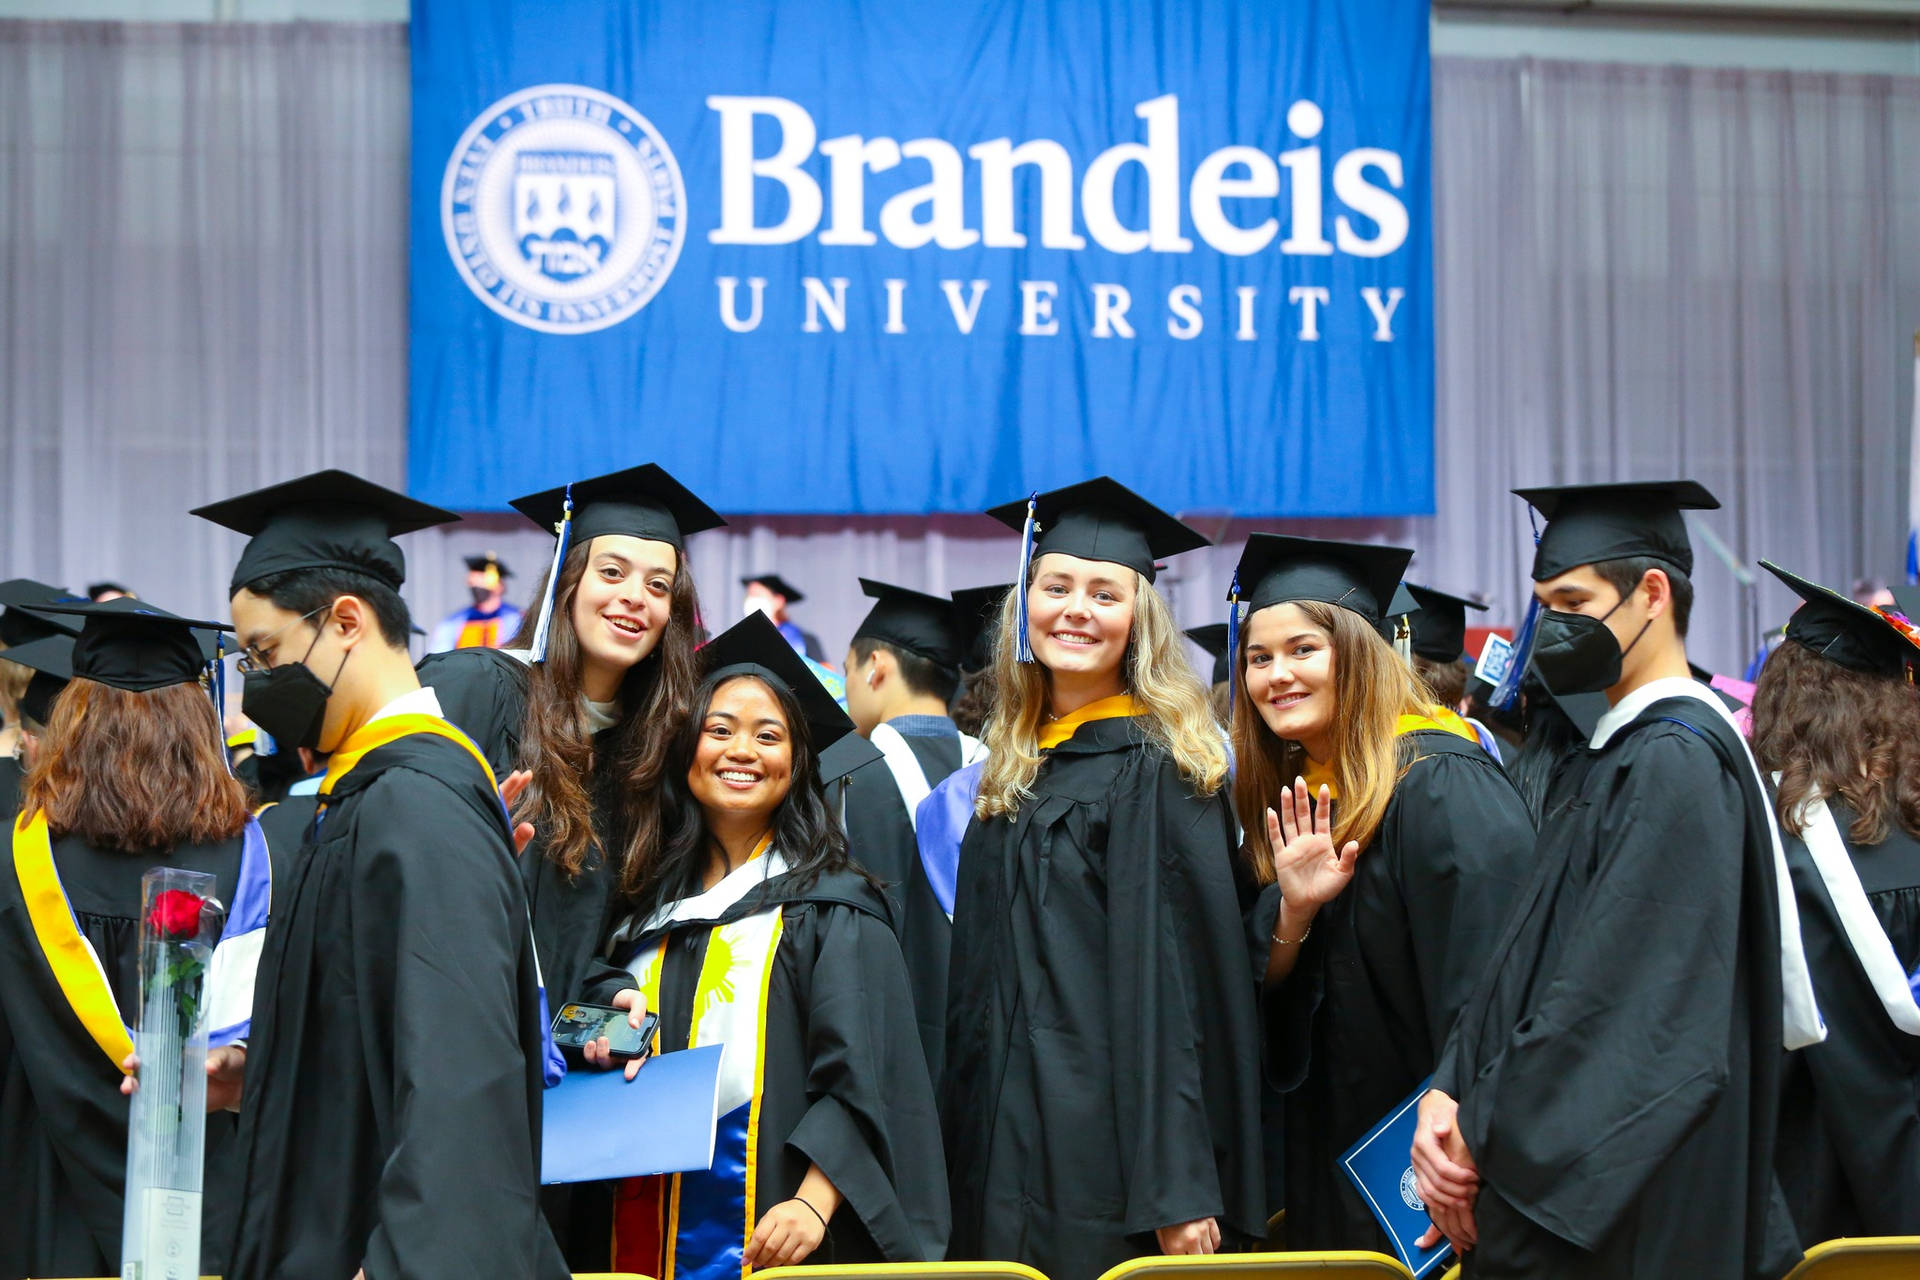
{"x": 176, "y": 914}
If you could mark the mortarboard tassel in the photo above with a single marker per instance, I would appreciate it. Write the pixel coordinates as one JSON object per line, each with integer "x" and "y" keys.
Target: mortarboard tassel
{"x": 1022, "y": 649}
{"x": 563, "y": 534}
{"x": 1507, "y": 692}
{"x": 217, "y": 688}
{"x": 1233, "y": 637}
{"x": 1403, "y": 638}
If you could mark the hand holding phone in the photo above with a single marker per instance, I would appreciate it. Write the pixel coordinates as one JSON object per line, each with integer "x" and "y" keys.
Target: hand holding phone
{"x": 578, "y": 1026}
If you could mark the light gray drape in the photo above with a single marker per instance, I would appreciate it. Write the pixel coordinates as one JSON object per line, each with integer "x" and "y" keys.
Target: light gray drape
{"x": 1639, "y": 271}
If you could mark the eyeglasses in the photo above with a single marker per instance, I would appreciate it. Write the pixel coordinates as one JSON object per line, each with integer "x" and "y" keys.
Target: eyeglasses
{"x": 252, "y": 659}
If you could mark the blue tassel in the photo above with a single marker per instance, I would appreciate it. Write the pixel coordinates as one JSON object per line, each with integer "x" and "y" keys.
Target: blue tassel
{"x": 563, "y": 536}
{"x": 1022, "y": 648}
{"x": 1233, "y": 638}
{"x": 1507, "y": 693}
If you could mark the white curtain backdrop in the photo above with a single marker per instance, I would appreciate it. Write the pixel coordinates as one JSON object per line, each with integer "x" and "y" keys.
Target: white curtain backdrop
{"x": 1640, "y": 272}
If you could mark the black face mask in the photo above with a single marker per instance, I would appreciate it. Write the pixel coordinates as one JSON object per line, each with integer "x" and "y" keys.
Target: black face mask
{"x": 481, "y": 594}
{"x": 1575, "y": 653}
{"x": 289, "y": 701}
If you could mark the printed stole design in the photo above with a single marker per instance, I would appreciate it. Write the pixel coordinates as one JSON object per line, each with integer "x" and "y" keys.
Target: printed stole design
{"x": 695, "y": 1226}
{"x": 77, "y": 969}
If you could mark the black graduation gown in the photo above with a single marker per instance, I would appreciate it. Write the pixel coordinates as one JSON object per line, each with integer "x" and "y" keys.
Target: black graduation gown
{"x": 1617, "y": 1067}
{"x": 12, "y": 776}
{"x": 881, "y": 838}
{"x": 391, "y": 1117}
{"x": 1385, "y": 970}
{"x": 287, "y": 825}
{"x": 484, "y": 692}
{"x": 879, "y": 828}
{"x": 1849, "y": 1157}
{"x": 844, "y": 1085}
{"x": 63, "y": 1121}
{"x": 1102, "y": 1075}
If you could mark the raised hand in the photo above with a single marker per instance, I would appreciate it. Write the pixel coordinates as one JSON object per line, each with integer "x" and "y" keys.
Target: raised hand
{"x": 1311, "y": 873}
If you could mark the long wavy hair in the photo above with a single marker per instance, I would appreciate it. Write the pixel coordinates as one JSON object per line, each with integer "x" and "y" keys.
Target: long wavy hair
{"x": 135, "y": 772}
{"x": 1829, "y": 730}
{"x": 1155, "y": 672}
{"x": 1372, "y": 689}
{"x": 805, "y": 830}
{"x": 557, "y": 747}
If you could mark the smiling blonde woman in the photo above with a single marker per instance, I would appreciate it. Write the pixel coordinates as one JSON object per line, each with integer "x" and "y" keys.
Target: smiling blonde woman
{"x": 1101, "y": 1089}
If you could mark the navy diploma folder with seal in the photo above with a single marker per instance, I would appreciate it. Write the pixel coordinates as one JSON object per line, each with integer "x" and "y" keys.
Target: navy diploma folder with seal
{"x": 1382, "y": 1171}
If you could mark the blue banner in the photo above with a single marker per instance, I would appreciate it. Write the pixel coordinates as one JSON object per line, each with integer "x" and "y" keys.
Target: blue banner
{"x": 902, "y": 258}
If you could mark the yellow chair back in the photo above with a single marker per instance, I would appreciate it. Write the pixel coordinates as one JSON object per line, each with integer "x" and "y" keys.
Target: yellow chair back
{"x": 1861, "y": 1258}
{"x": 904, "y": 1271}
{"x": 1338, "y": 1265}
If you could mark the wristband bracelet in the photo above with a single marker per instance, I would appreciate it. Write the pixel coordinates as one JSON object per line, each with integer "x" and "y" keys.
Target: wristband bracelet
{"x": 1291, "y": 942}
{"x": 815, "y": 1212}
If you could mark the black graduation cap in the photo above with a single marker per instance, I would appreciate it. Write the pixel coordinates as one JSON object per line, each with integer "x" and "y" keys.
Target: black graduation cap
{"x": 1588, "y": 523}
{"x": 51, "y": 660}
{"x": 328, "y": 520}
{"x": 1856, "y": 636}
{"x": 1361, "y": 576}
{"x": 1213, "y": 638}
{"x": 845, "y": 755}
{"x": 491, "y": 560}
{"x": 754, "y": 646}
{"x": 36, "y": 700}
{"x": 19, "y": 625}
{"x": 1403, "y": 607}
{"x": 1907, "y": 601}
{"x": 776, "y": 584}
{"x": 640, "y": 502}
{"x": 1705, "y": 677}
{"x": 128, "y": 644}
{"x": 978, "y": 610}
{"x": 926, "y": 626}
{"x": 1440, "y": 628}
{"x": 1101, "y": 520}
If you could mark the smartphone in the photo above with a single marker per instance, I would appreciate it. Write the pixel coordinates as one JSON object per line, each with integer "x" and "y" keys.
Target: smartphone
{"x": 578, "y": 1025}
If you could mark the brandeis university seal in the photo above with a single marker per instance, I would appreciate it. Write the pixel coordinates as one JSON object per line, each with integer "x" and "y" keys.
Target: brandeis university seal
{"x": 563, "y": 208}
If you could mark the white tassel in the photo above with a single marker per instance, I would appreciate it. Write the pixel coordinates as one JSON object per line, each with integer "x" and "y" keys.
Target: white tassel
{"x": 563, "y": 533}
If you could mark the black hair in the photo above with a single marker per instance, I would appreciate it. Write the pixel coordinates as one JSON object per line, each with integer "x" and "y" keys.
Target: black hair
{"x": 305, "y": 591}
{"x": 805, "y": 830}
{"x": 1624, "y": 575}
{"x": 922, "y": 675}
{"x": 1551, "y": 736}
{"x": 97, "y": 589}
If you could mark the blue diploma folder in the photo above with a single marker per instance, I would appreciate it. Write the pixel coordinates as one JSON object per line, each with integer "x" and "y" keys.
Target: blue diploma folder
{"x": 1380, "y": 1167}
{"x": 596, "y": 1125}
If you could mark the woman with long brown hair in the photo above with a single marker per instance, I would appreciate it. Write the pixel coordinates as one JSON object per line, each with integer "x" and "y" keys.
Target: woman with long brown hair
{"x": 1393, "y": 844}
{"x": 1836, "y": 720}
{"x": 1101, "y": 1089}
{"x": 586, "y": 700}
{"x": 132, "y": 776}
